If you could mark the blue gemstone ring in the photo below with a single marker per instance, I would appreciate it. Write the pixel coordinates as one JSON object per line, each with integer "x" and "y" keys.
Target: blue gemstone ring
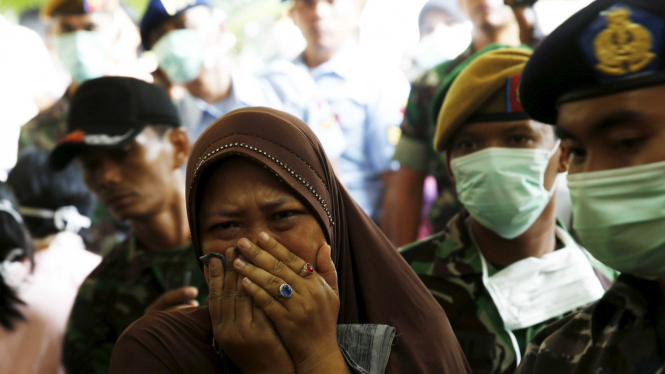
{"x": 285, "y": 291}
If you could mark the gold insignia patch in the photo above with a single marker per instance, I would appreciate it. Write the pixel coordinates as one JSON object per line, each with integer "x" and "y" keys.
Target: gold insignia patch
{"x": 624, "y": 47}
{"x": 328, "y": 124}
{"x": 394, "y": 133}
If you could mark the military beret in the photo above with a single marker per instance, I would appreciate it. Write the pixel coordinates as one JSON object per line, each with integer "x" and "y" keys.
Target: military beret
{"x": 444, "y": 87}
{"x": 57, "y": 7}
{"x": 160, "y": 11}
{"x": 485, "y": 91}
{"x": 606, "y": 48}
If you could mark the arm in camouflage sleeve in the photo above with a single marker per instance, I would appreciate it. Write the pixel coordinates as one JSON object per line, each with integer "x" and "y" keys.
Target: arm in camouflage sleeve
{"x": 88, "y": 340}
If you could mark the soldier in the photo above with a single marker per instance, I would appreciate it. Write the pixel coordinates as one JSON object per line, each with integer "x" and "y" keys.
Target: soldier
{"x": 494, "y": 25}
{"x": 600, "y": 79}
{"x": 126, "y": 133}
{"x": 91, "y": 39}
{"x": 504, "y": 268}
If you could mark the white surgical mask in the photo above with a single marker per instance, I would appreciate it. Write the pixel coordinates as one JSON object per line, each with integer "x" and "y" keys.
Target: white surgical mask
{"x": 66, "y": 218}
{"x": 534, "y": 290}
{"x": 503, "y": 188}
{"x": 180, "y": 54}
{"x": 619, "y": 216}
{"x": 84, "y": 54}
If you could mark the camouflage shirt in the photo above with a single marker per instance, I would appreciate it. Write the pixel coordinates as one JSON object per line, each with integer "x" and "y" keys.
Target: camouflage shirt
{"x": 117, "y": 293}
{"x": 450, "y": 266}
{"x": 624, "y": 332}
{"x": 47, "y": 128}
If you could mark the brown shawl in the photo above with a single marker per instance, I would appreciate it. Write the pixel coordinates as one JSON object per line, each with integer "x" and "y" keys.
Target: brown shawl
{"x": 375, "y": 284}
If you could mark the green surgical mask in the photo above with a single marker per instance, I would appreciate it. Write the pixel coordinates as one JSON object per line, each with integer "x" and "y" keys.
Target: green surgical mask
{"x": 180, "y": 55}
{"x": 83, "y": 53}
{"x": 503, "y": 188}
{"x": 619, "y": 216}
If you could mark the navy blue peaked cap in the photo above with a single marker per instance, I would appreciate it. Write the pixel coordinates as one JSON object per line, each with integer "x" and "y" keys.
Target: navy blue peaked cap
{"x": 608, "y": 47}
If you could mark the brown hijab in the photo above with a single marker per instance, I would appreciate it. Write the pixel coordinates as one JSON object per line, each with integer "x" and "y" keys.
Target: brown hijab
{"x": 376, "y": 285}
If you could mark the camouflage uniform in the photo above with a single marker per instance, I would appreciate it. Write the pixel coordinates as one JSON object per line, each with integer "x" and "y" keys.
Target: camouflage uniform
{"x": 450, "y": 266}
{"x": 47, "y": 128}
{"x": 624, "y": 332}
{"x": 116, "y": 294}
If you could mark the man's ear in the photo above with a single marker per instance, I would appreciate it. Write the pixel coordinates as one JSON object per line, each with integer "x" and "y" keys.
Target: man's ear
{"x": 564, "y": 159}
{"x": 181, "y": 146}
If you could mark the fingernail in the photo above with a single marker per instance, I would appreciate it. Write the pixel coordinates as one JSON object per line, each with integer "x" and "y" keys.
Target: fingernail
{"x": 246, "y": 281}
{"x": 263, "y": 237}
{"x": 236, "y": 250}
{"x": 192, "y": 292}
{"x": 240, "y": 263}
{"x": 206, "y": 259}
{"x": 244, "y": 244}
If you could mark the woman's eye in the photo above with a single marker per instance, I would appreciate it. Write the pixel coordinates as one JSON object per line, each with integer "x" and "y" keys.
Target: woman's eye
{"x": 285, "y": 214}
{"x": 223, "y": 226}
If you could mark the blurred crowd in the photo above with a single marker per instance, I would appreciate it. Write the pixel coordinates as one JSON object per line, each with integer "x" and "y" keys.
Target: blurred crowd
{"x": 429, "y": 199}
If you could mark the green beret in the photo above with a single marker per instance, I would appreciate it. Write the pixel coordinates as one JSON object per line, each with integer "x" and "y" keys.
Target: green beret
{"x": 485, "y": 91}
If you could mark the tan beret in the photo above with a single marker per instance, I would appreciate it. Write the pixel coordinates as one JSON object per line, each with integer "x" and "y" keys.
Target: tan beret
{"x": 52, "y": 8}
{"x": 485, "y": 91}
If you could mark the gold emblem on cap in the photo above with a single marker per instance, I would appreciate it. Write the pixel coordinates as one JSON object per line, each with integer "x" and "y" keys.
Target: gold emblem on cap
{"x": 624, "y": 46}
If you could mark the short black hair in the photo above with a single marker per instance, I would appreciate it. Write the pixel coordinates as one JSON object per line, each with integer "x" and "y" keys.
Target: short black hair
{"x": 13, "y": 235}
{"x": 38, "y": 186}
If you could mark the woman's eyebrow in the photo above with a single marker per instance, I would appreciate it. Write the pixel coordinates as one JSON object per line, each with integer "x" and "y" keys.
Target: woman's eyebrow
{"x": 275, "y": 203}
{"x": 224, "y": 213}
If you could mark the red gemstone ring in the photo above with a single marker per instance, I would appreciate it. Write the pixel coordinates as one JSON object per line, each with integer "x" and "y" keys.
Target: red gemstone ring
{"x": 306, "y": 270}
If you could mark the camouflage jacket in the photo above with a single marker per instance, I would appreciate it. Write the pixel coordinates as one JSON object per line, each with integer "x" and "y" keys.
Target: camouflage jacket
{"x": 450, "y": 266}
{"x": 47, "y": 128}
{"x": 117, "y": 293}
{"x": 624, "y": 332}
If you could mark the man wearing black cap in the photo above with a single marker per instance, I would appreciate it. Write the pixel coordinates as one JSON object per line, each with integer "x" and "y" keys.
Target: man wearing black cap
{"x": 600, "y": 78}
{"x": 126, "y": 134}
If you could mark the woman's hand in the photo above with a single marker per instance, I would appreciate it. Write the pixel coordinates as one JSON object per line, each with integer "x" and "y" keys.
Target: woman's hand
{"x": 241, "y": 328}
{"x": 307, "y": 321}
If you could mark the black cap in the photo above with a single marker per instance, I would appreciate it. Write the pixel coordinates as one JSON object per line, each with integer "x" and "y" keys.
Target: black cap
{"x": 109, "y": 113}
{"x": 608, "y": 47}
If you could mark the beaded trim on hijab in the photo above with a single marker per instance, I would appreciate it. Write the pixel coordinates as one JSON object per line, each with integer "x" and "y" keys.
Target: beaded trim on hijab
{"x": 276, "y": 161}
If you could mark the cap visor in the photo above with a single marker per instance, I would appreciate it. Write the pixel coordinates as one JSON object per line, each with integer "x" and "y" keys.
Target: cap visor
{"x": 64, "y": 153}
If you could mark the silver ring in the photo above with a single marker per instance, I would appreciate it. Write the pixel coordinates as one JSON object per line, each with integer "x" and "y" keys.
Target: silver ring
{"x": 285, "y": 291}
